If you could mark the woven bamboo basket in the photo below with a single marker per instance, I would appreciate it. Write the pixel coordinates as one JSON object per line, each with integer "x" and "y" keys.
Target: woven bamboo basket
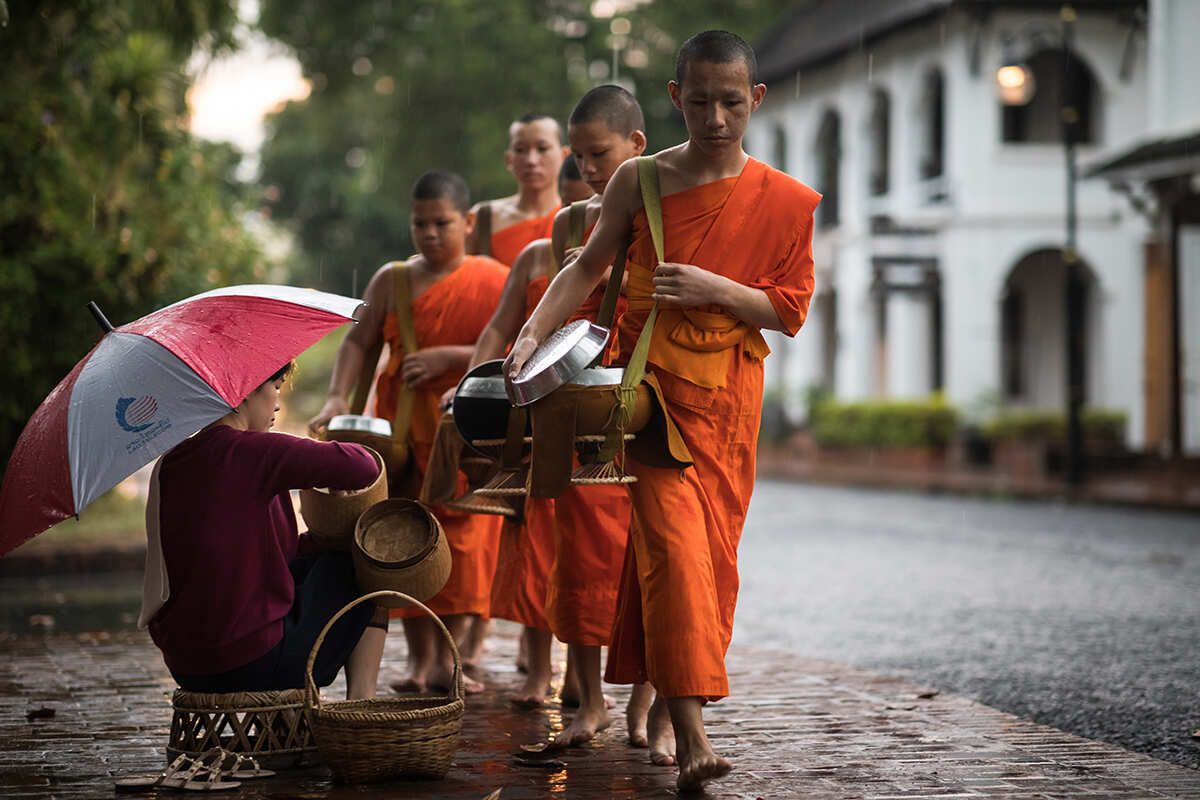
{"x": 331, "y": 518}
{"x": 269, "y": 726}
{"x": 400, "y": 546}
{"x": 366, "y": 741}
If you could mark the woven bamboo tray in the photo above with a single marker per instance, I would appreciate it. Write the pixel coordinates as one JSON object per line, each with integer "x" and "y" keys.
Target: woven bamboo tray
{"x": 367, "y": 741}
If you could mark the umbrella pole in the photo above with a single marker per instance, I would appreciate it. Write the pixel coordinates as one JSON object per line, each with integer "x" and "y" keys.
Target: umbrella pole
{"x": 100, "y": 318}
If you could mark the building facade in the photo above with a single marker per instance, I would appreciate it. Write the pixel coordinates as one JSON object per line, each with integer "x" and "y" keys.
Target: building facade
{"x": 939, "y": 244}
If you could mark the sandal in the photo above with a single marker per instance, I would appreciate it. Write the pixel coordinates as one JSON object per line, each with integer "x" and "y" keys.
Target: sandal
{"x": 244, "y": 767}
{"x": 184, "y": 774}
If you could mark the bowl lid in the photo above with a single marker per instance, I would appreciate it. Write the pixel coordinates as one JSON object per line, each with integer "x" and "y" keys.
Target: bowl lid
{"x": 358, "y": 422}
{"x": 563, "y": 355}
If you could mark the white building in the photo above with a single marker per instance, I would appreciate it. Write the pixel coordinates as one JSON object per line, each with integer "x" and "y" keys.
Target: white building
{"x": 940, "y": 237}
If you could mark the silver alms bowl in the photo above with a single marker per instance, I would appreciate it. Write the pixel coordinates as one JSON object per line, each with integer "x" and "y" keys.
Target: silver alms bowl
{"x": 557, "y": 361}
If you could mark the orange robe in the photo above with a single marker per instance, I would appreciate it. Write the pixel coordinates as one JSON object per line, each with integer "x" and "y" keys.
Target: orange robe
{"x": 507, "y": 243}
{"x": 679, "y": 586}
{"x": 526, "y": 544}
{"x": 591, "y": 536}
{"x": 454, "y": 311}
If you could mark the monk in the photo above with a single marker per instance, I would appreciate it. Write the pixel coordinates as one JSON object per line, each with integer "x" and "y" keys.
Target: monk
{"x": 534, "y": 155}
{"x": 738, "y": 259}
{"x": 605, "y": 129}
{"x": 452, "y": 296}
{"x": 527, "y": 544}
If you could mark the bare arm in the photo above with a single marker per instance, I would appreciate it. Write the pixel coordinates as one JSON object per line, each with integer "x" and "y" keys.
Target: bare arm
{"x": 360, "y": 339}
{"x": 573, "y": 284}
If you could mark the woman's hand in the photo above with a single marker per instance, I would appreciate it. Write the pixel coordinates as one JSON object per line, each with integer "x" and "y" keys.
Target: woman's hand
{"x": 424, "y": 366}
{"x": 334, "y": 406}
{"x": 686, "y": 286}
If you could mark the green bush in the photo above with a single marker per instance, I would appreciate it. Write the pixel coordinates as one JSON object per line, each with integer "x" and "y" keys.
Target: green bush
{"x": 1099, "y": 425}
{"x": 928, "y": 423}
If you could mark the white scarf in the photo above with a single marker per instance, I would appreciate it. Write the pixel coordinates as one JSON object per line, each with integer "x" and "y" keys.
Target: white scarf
{"x": 155, "y": 588}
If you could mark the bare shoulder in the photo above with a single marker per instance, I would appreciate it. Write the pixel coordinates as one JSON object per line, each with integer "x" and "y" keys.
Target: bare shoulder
{"x": 622, "y": 190}
{"x": 531, "y": 261}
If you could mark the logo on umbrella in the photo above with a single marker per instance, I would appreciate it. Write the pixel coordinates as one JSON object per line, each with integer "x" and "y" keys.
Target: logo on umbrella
{"x": 136, "y": 414}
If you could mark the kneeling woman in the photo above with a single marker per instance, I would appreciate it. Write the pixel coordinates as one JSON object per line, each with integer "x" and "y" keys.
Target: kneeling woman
{"x": 230, "y": 602}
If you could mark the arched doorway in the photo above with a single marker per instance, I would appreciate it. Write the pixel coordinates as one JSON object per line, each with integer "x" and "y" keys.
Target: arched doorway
{"x": 1033, "y": 361}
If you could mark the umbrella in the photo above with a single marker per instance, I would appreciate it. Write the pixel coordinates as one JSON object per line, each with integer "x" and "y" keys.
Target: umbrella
{"x": 147, "y": 386}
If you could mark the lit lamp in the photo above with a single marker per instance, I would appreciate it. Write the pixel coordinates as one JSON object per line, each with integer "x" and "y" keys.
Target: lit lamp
{"x": 1015, "y": 84}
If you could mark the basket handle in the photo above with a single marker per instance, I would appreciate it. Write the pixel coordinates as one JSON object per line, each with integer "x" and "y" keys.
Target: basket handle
{"x": 312, "y": 697}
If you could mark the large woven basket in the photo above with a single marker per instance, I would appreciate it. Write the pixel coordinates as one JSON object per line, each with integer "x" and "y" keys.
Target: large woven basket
{"x": 331, "y": 517}
{"x": 269, "y": 726}
{"x": 400, "y": 546}
{"x": 366, "y": 741}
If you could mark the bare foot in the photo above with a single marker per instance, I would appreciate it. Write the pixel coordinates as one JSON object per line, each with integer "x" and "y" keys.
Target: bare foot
{"x": 635, "y": 714}
{"x": 660, "y": 735}
{"x": 532, "y": 694}
{"x": 409, "y": 686}
{"x": 695, "y": 770}
{"x": 583, "y": 728}
{"x": 523, "y": 656}
{"x": 442, "y": 677}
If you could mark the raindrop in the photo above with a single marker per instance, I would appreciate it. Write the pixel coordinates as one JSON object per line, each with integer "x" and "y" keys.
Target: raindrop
{"x": 870, "y": 66}
{"x": 93, "y": 200}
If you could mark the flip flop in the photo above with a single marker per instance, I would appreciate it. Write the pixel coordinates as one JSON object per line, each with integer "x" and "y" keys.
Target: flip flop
{"x": 244, "y": 768}
{"x": 184, "y": 774}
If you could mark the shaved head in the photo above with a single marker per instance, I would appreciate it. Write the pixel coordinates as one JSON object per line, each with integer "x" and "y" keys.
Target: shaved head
{"x": 612, "y": 105}
{"x": 530, "y": 118}
{"x": 716, "y": 47}
{"x": 440, "y": 185}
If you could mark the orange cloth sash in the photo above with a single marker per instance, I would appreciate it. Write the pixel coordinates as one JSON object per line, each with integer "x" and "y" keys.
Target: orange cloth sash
{"x": 679, "y": 584}
{"x": 454, "y": 311}
{"x": 508, "y": 243}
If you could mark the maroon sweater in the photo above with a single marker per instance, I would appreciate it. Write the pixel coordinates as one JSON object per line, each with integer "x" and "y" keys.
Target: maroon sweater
{"x": 228, "y": 533}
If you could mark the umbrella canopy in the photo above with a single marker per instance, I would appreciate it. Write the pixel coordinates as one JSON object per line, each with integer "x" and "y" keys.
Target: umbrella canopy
{"x": 147, "y": 386}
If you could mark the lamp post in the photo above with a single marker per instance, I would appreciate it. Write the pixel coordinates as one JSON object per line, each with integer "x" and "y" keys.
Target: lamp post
{"x": 1016, "y": 86}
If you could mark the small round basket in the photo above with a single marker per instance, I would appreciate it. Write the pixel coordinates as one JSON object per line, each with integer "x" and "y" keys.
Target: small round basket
{"x": 399, "y": 546}
{"x": 366, "y": 741}
{"x": 331, "y": 518}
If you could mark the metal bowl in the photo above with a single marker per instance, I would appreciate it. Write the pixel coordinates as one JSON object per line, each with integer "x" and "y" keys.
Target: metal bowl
{"x": 481, "y": 407}
{"x": 360, "y": 423}
{"x": 558, "y": 360}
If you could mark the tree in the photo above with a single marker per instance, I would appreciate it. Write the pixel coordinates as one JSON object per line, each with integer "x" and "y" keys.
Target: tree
{"x": 402, "y": 86}
{"x": 107, "y": 196}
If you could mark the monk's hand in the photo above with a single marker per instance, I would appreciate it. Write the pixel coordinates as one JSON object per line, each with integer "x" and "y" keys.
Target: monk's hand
{"x": 521, "y": 351}
{"x": 423, "y": 366}
{"x": 334, "y": 406}
{"x": 685, "y": 285}
{"x": 571, "y": 255}
{"x": 447, "y": 398}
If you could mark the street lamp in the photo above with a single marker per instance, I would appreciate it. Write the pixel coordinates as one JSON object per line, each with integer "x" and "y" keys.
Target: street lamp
{"x": 1016, "y": 86}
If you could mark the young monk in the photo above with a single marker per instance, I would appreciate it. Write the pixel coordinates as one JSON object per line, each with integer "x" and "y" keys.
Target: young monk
{"x": 738, "y": 259}
{"x": 534, "y": 155}
{"x": 606, "y": 128}
{"x": 527, "y": 544}
{"x": 452, "y": 296}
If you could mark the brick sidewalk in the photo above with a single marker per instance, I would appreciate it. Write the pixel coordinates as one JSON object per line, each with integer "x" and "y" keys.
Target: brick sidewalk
{"x": 793, "y": 728}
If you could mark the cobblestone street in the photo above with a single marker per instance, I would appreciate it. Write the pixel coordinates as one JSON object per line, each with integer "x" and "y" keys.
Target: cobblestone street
{"x": 793, "y": 728}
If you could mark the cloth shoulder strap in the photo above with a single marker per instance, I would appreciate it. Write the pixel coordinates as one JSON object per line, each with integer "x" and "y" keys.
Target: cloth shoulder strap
{"x": 577, "y": 216}
{"x": 635, "y": 371}
{"x": 403, "y": 307}
{"x": 483, "y": 230}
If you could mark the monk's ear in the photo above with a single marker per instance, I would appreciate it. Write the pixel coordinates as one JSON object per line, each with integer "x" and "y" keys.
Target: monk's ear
{"x": 508, "y": 160}
{"x": 673, "y": 91}
{"x": 470, "y": 220}
{"x": 757, "y": 93}
{"x": 638, "y": 138}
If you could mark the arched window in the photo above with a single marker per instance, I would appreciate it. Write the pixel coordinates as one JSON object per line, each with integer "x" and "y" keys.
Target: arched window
{"x": 779, "y": 148}
{"x": 933, "y": 125}
{"x": 880, "y": 133}
{"x": 1057, "y": 82}
{"x": 829, "y": 162}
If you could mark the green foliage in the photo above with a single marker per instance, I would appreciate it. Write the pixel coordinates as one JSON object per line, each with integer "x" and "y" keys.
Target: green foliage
{"x": 107, "y": 196}
{"x": 884, "y": 423}
{"x": 1099, "y": 425}
{"x": 405, "y": 86}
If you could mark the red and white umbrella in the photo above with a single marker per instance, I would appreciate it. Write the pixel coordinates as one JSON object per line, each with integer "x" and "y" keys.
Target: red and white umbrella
{"x": 147, "y": 386}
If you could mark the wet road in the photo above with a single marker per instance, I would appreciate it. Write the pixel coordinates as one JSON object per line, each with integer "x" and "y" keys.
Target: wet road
{"x": 1084, "y": 618}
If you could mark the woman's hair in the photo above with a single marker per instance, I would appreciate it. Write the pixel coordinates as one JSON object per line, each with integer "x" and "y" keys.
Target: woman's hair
{"x": 282, "y": 372}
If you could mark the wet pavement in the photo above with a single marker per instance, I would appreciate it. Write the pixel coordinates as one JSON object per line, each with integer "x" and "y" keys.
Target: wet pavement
{"x": 793, "y": 728}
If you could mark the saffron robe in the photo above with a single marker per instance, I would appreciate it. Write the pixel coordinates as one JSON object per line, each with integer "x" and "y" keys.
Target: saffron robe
{"x": 453, "y": 311}
{"x": 680, "y": 580}
{"x": 591, "y": 536}
{"x": 507, "y": 243}
{"x": 526, "y": 544}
